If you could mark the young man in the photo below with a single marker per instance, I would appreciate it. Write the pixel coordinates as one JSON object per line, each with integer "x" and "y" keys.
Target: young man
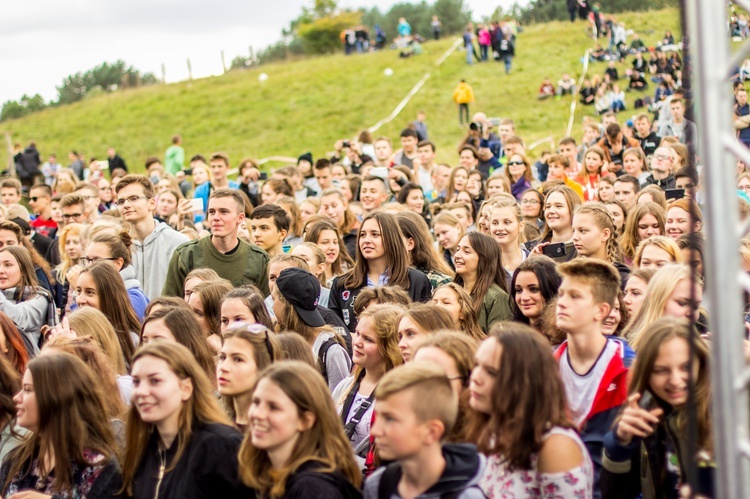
{"x": 90, "y": 194}
{"x": 648, "y": 139}
{"x": 269, "y": 227}
{"x": 426, "y": 152}
{"x": 373, "y": 193}
{"x": 615, "y": 143}
{"x": 594, "y": 367}
{"x": 154, "y": 242}
{"x": 50, "y": 169}
{"x": 383, "y": 151}
{"x": 219, "y": 164}
{"x": 415, "y": 409}
{"x": 687, "y": 180}
{"x": 408, "y": 151}
{"x": 558, "y": 164}
{"x": 440, "y": 175}
{"x": 40, "y": 200}
{"x": 661, "y": 169}
{"x": 684, "y": 129}
{"x": 174, "y": 157}
{"x": 115, "y": 161}
{"x": 468, "y": 157}
{"x": 10, "y": 191}
{"x": 569, "y": 149}
{"x": 742, "y": 116}
{"x": 323, "y": 174}
{"x": 626, "y": 190}
{"x": 74, "y": 210}
{"x": 420, "y": 126}
{"x": 233, "y": 259}
{"x": 295, "y": 179}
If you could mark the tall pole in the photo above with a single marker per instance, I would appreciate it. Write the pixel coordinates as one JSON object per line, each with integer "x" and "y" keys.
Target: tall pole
{"x": 719, "y": 148}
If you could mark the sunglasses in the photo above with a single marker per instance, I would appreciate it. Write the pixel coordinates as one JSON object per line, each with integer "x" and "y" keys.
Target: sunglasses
{"x": 516, "y": 163}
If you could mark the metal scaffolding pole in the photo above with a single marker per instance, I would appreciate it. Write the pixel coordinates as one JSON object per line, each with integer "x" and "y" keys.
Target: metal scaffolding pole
{"x": 707, "y": 30}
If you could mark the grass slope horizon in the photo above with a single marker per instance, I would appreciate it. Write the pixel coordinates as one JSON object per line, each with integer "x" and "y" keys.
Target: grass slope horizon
{"x": 307, "y": 105}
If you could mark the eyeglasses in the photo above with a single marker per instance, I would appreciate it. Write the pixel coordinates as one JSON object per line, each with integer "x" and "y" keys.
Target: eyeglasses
{"x": 131, "y": 200}
{"x": 516, "y": 163}
{"x": 85, "y": 261}
{"x": 745, "y": 188}
{"x": 530, "y": 201}
{"x": 662, "y": 157}
{"x": 72, "y": 215}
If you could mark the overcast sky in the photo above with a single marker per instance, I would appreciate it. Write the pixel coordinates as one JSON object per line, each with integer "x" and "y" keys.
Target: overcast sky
{"x": 42, "y": 41}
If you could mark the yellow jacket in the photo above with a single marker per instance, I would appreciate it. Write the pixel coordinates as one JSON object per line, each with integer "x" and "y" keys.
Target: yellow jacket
{"x": 463, "y": 94}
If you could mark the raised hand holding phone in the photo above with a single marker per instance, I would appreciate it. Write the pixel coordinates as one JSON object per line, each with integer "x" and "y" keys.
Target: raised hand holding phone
{"x": 636, "y": 421}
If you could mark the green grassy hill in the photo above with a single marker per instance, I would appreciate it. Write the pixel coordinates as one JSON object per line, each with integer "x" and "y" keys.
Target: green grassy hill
{"x": 309, "y": 104}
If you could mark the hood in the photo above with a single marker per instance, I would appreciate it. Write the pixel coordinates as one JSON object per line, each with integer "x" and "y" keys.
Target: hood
{"x": 463, "y": 467}
{"x": 151, "y": 238}
{"x": 336, "y": 479}
{"x": 128, "y": 277}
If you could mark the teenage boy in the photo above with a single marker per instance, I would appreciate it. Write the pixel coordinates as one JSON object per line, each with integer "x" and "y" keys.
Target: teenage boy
{"x": 90, "y": 195}
{"x": 373, "y": 193}
{"x": 40, "y": 200}
{"x": 558, "y": 164}
{"x": 408, "y": 151}
{"x": 383, "y": 151}
{"x": 269, "y": 227}
{"x": 154, "y": 242}
{"x": 615, "y": 143}
{"x": 415, "y": 408}
{"x": 627, "y": 188}
{"x": 569, "y": 149}
{"x": 648, "y": 139}
{"x": 441, "y": 174}
{"x": 219, "y": 164}
{"x": 687, "y": 180}
{"x": 223, "y": 251}
{"x": 661, "y": 169}
{"x": 74, "y": 210}
{"x": 680, "y": 127}
{"x": 423, "y": 172}
{"x": 10, "y": 191}
{"x": 323, "y": 174}
{"x": 594, "y": 367}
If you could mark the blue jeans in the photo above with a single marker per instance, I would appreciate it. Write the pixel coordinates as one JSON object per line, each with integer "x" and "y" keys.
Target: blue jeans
{"x": 507, "y": 59}
{"x": 483, "y": 50}
{"x": 469, "y": 54}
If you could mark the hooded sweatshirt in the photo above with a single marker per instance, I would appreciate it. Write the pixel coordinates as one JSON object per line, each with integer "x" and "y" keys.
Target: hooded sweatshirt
{"x": 151, "y": 257}
{"x": 463, "y": 469}
{"x": 138, "y": 298}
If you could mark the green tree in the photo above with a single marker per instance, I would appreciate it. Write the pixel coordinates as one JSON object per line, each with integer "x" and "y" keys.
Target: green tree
{"x": 324, "y": 35}
{"x": 23, "y": 106}
{"x": 453, "y": 14}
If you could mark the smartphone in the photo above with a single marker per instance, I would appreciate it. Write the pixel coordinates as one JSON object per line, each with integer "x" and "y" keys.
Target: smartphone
{"x": 495, "y": 121}
{"x": 554, "y": 250}
{"x": 263, "y": 176}
{"x": 674, "y": 193}
{"x": 646, "y": 402}
{"x": 379, "y": 171}
{"x": 187, "y": 171}
{"x": 196, "y": 205}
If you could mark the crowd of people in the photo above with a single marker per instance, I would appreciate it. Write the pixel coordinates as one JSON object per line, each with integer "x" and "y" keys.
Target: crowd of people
{"x": 371, "y": 323}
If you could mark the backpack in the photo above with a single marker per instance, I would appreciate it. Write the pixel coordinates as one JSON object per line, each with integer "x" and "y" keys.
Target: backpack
{"x": 323, "y": 354}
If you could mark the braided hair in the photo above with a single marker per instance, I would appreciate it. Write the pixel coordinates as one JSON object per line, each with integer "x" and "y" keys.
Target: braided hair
{"x": 603, "y": 219}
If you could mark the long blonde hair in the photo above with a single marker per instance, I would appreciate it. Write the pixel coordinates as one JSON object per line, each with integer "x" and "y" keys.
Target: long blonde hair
{"x": 88, "y": 321}
{"x": 65, "y": 262}
{"x": 323, "y": 443}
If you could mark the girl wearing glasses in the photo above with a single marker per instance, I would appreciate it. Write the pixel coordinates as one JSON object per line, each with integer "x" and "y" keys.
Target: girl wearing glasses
{"x": 116, "y": 250}
{"x": 246, "y": 350}
{"x": 518, "y": 171}
{"x": 179, "y": 442}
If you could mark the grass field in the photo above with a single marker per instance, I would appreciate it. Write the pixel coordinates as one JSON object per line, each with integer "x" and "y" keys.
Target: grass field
{"x": 307, "y": 105}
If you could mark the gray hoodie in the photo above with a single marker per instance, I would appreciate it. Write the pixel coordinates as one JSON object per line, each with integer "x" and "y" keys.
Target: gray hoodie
{"x": 151, "y": 257}
{"x": 29, "y": 316}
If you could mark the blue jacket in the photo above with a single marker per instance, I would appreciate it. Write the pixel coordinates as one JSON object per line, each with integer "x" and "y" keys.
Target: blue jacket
{"x": 203, "y": 192}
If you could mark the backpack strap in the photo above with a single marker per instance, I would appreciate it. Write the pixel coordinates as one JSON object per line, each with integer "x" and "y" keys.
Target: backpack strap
{"x": 389, "y": 481}
{"x": 323, "y": 355}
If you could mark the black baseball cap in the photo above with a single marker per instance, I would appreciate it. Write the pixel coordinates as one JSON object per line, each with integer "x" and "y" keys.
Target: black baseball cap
{"x": 301, "y": 289}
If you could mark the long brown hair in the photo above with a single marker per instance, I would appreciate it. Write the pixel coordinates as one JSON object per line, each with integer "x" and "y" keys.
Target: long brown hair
{"x": 36, "y": 258}
{"x": 430, "y": 318}
{"x": 489, "y": 267}
{"x": 72, "y": 419}
{"x": 187, "y": 331}
{"x": 86, "y": 349}
{"x": 528, "y": 398}
{"x": 396, "y": 256}
{"x": 630, "y": 240}
{"x": 201, "y": 407}
{"x": 28, "y": 274}
{"x": 10, "y": 384}
{"x": 571, "y": 199}
{"x": 656, "y": 334}
{"x": 88, "y": 321}
{"x": 253, "y": 301}
{"x": 423, "y": 255}
{"x": 17, "y": 354}
{"x": 315, "y": 225}
{"x": 323, "y": 443}
{"x": 114, "y": 303}
{"x": 468, "y": 321}
{"x": 210, "y": 294}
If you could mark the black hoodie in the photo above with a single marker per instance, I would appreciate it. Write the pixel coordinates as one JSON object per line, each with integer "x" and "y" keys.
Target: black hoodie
{"x": 308, "y": 482}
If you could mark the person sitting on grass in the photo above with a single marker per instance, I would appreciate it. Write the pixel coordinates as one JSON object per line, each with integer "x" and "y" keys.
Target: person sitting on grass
{"x": 546, "y": 90}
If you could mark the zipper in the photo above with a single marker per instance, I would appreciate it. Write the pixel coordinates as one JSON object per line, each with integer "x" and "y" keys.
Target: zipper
{"x": 162, "y": 467}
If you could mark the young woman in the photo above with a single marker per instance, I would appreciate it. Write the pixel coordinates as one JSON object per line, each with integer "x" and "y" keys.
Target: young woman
{"x": 559, "y": 206}
{"x": 606, "y": 189}
{"x": 70, "y": 450}
{"x": 652, "y": 194}
{"x": 201, "y": 175}
{"x": 635, "y": 290}
{"x": 594, "y": 236}
{"x": 507, "y": 228}
{"x": 518, "y": 171}
{"x": 679, "y": 216}
{"x": 532, "y": 207}
{"x": 27, "y": 304}
{"x": 288, "y": 204}
{"x": 448, "y": 232}
{"x": 295, "y": 446}
{"x": 644, "y": 221}
{"x": 196, "y": 277}
{"x": 205, "y": 302}
{"x": 669, "y": 294}
{"x": 422, "y": 252}
{"x": 479, "y": 271}
{"x": 326, "y": 235}
{"x": 634, "y": 163}
{"x": 418, "y": 323}
{"x": 534, "y": 286}
{"x": 655, "y": 436}
{"x": 14, "y": 346}
{"x": 497, "y": 183}
{"x": 308, "y": 208}
{"x": 375, "y": 352}
{"x": 619, "y": 215}
{"x": 178, "y": 325}
{"x": 460, "y": 307}
{"x": 243, "y": 305}
{"x": 656, "y": 252}
{"x": 692, "y": 249}
{"x": 274, "y": 189}
{"x": 595, "y": 167}
{"x": 454, "y": 353}
{"x": 11, "y": 234}
{"x": 382, "y": 259}
{"x": 294, "y": 347}
{"x": 294, "y": 303}
{"x": 524, "y": 428}
{"x": 99, "y": 286}
{"x": 116, "y": 250}
{"x": 71, "y": 251}
{"x": 316, "y": 263}
{"x": 179, "y": 442}
{"x": 334, "y": 205}
{"x": 412, "y": 197}
{"x": 246, "y": 350}
{"x": 166, "y": 207}
{"x": 475, "y": 189}
{"x": 457, "y": 181}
